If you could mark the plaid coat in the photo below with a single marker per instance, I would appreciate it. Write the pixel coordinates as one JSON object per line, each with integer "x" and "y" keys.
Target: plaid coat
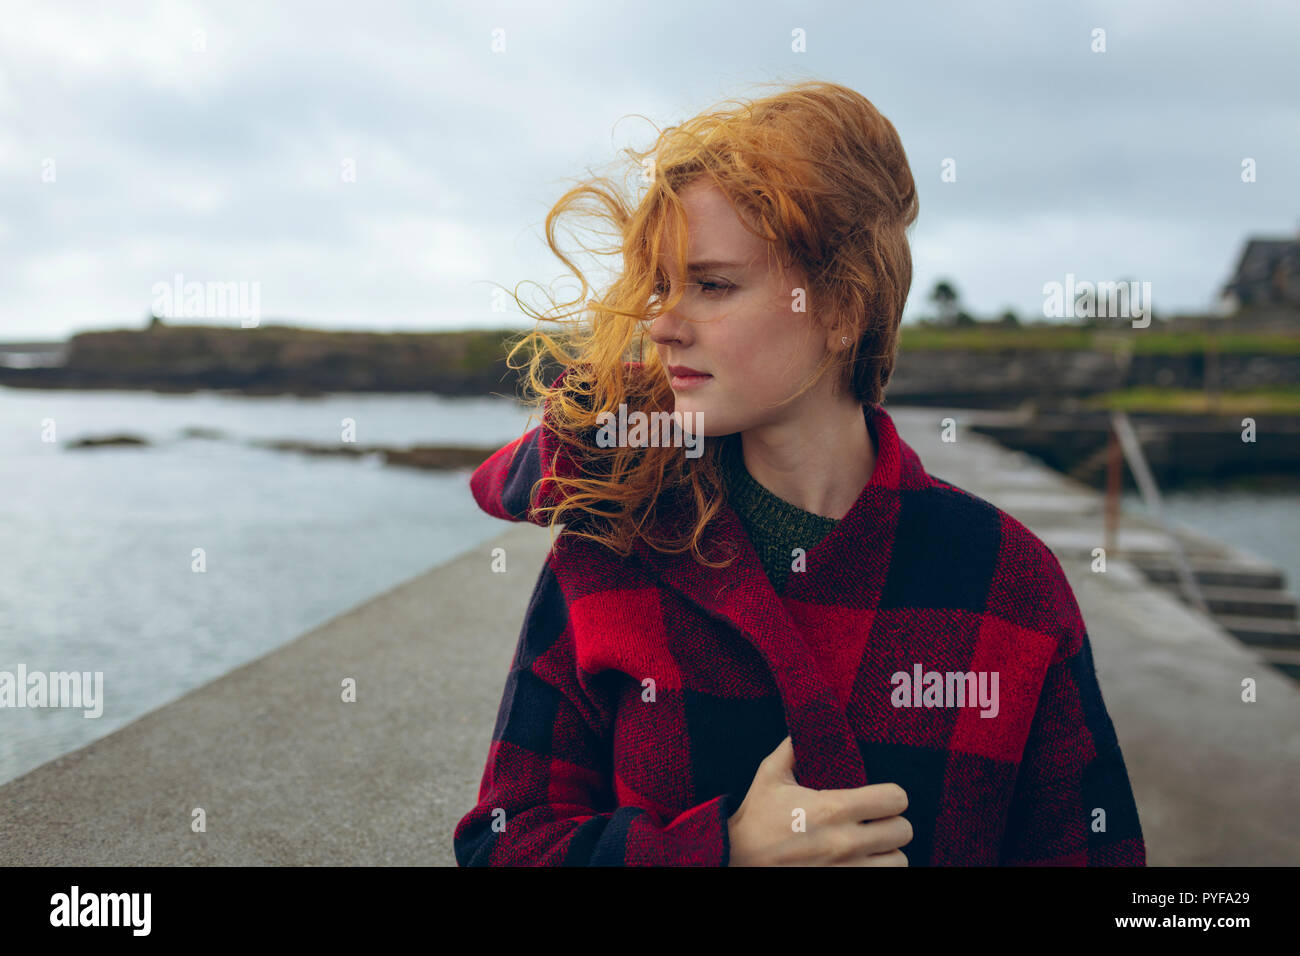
{"x": 592, "y": 764}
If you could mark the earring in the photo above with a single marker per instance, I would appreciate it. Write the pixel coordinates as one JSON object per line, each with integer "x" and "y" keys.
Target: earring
{"x": 844, "y": 339}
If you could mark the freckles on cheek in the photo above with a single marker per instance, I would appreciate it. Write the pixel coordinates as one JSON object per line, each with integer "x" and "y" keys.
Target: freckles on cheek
{"x": 752, "y": 375}
{"x": 746, "y": 361}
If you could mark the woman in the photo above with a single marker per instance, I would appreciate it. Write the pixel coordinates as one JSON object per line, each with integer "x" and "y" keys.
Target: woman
{"x": 791, "y": 645}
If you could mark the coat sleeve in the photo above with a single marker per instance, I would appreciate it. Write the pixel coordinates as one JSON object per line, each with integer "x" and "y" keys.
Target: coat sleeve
{"x": 546, "y": 796}
{"x": 520, "y": 477}
{"x": 1073, "y": 804}
{"x": 503, "y": 486}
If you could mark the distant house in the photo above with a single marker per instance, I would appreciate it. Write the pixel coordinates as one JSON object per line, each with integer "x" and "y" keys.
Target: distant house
{"x": 1267, "y": 276}
{"x": 32, "y": 354}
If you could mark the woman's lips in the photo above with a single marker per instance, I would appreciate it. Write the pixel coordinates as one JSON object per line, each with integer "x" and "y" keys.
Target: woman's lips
{"x": 689, "y": 381}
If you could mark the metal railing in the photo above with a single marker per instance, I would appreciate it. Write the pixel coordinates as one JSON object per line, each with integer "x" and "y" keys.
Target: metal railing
{"x": 1123, "y": 440}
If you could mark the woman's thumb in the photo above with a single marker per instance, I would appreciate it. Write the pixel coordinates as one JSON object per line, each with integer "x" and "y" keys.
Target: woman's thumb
{"x": 782, "y": 758}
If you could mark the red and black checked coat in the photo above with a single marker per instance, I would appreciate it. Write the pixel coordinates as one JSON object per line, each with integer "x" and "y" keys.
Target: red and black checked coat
{"x": 583, "y": 770}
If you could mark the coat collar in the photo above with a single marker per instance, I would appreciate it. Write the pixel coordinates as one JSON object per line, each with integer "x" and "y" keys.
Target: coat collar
{"x": 846, "y": 568}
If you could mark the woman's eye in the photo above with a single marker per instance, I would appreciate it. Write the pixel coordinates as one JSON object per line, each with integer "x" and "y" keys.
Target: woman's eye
{"x": 712, "y": 289}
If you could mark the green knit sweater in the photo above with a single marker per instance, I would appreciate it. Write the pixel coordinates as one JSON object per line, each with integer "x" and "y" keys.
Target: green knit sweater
{"x": 775, "y": 526}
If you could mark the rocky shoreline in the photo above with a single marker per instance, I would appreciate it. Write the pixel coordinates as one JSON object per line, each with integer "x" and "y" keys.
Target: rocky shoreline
{"x": 277, "y": 360}
{"x": 428, "y": 457}
{"x": 994, "y": 369}
{"x": 1182, "y": 450}
{"x": 1047, "y": 382}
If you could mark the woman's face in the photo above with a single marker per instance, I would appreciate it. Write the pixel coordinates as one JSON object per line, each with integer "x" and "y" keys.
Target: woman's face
{"x": 741, "y": 320}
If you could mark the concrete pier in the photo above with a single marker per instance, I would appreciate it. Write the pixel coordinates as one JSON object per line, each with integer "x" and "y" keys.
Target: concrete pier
{"x": 287, "y": 773}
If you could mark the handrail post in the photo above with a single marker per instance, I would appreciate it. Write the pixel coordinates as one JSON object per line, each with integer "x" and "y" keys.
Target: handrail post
{"x": 1114, "y": 462}
{"x": 1151, "y": 495}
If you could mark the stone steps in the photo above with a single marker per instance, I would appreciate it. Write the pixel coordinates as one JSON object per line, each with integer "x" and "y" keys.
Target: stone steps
{"x": 1262, "y": 632}
{"x": 1213, "y": 572}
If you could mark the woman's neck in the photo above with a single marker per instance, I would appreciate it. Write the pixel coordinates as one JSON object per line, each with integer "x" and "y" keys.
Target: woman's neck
{"x": 818, "y": 461}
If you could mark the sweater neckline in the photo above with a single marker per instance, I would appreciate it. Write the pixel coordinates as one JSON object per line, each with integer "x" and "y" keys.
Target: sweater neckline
{"x": 751, "y": 499}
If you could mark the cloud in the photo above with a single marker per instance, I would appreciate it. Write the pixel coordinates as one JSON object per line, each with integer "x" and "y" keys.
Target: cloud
{"x": 212, "y": 140}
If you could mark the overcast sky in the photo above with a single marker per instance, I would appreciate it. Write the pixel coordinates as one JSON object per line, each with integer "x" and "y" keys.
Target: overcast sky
{"x": 207, "y": 139}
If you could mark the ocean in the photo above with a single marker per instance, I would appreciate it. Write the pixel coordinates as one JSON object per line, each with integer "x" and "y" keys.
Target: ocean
{"x": 97, "y": 545}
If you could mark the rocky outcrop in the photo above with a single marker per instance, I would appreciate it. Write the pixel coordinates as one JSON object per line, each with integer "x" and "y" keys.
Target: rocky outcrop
{"x": 275, "y": 359}
{"x": 278, "y": 360}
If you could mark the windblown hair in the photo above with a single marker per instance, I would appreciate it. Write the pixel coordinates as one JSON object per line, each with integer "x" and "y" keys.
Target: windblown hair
{"x": 816, "y": 171}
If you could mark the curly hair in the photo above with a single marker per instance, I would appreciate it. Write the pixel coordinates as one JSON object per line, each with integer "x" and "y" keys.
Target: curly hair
{"x": 817, "y": 172}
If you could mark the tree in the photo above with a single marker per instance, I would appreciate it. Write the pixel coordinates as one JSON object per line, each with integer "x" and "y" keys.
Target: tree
{"x": 946, "y": 298}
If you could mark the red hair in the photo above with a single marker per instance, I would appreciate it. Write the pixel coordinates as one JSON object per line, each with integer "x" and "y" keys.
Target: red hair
{"x": 813, "y": 169}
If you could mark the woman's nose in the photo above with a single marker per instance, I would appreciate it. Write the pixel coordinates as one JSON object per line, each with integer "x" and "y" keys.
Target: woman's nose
{"x": 666, "y": 328}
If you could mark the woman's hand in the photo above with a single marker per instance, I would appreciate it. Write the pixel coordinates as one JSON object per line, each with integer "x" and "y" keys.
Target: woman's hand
{"x": 858, "y": 826}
